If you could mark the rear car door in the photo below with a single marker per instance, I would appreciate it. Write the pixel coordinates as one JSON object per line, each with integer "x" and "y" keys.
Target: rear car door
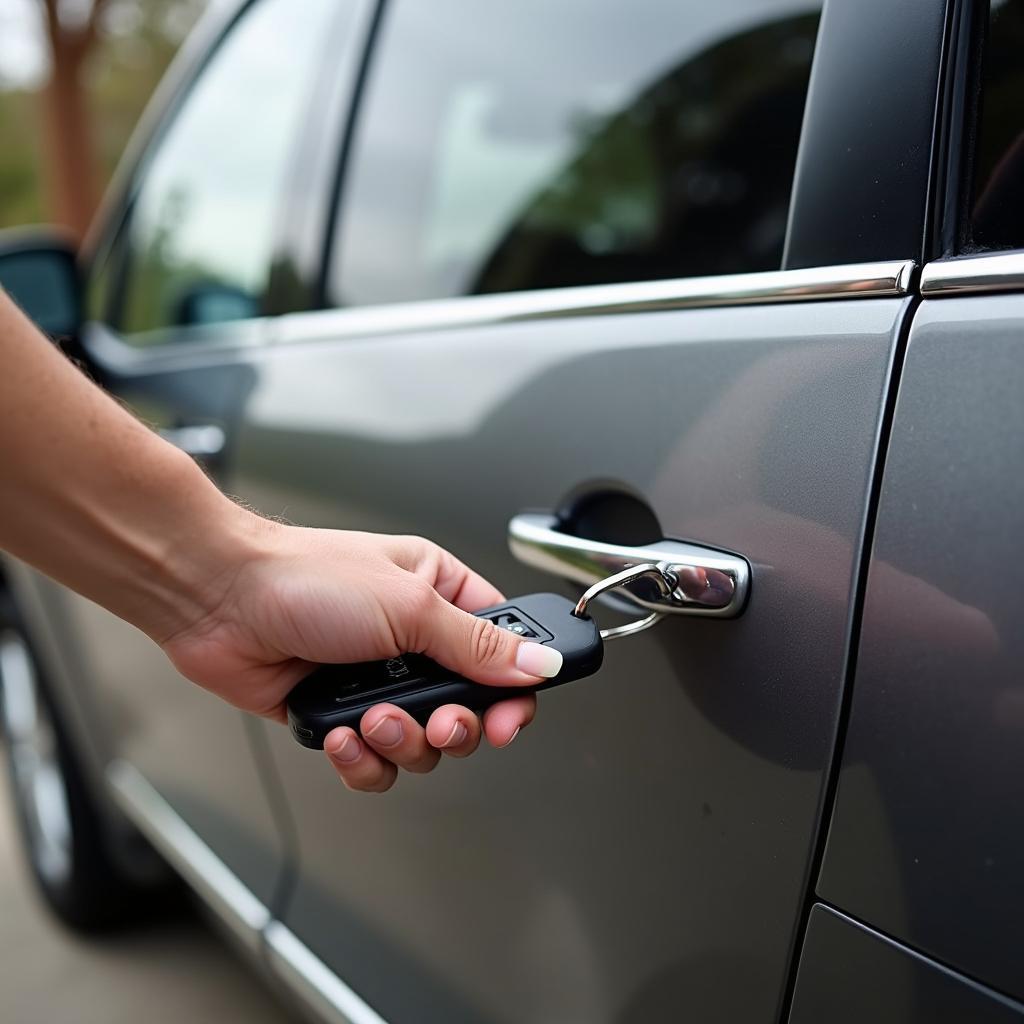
{"x": 921, "y": 879}
{"x": 529, "y": 197}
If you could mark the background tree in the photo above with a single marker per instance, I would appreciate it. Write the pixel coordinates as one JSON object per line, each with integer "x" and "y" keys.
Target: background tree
{"x": 62, "y": 140}
{"x": 70, "y": 160}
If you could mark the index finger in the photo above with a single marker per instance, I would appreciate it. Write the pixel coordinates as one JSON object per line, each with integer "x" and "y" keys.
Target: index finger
{"x": 461, "y": 586}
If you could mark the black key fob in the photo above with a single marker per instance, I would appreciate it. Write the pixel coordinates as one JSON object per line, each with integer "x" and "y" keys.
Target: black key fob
{"x": 334, "y": 695}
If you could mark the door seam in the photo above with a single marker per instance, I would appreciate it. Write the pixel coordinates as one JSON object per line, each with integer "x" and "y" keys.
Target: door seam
{"x": 883, "y": 435}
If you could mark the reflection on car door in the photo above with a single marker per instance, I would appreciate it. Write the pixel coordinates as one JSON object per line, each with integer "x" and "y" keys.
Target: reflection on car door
{"x": 642, "y": 849}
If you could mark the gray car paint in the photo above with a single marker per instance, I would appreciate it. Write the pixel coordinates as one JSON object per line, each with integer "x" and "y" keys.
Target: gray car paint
{"x": 927, "y": 837}
{"x": 643, "y": 846}
{"x": 850, "y": 974}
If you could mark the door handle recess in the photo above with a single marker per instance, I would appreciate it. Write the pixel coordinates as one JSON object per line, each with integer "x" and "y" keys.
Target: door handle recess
{"x": 710, "y": 582}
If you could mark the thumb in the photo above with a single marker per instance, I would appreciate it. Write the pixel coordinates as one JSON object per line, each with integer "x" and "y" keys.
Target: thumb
{"x": 483, "y": 652}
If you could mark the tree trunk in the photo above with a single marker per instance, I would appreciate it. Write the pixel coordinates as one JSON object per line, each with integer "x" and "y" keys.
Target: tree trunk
{"x": 69, "y": 155}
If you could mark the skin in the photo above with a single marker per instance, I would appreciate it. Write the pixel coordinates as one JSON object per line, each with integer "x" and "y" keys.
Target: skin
{"x": 243, "y": 606}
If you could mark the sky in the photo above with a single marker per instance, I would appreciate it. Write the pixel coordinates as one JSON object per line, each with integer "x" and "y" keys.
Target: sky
{"x": 22, "y": 55}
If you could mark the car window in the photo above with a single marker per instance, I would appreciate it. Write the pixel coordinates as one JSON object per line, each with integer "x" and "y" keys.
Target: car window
{"x": 197, "y": 245}
{"x": 997, "y": 203}
{"x": 502, "y": 147}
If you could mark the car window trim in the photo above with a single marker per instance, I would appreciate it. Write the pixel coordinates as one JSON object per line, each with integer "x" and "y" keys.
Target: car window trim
{"x": 886, "y": 279}
{"x": 983, "y": 273}
{"x": 866, "y": 156}
{"x": 306, "y": 213}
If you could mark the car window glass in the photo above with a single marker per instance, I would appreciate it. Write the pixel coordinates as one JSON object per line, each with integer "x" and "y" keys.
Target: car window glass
{"x": 997, "y": 203}
{"x": 534, "y": 145}
{"x": 196, "y": 248}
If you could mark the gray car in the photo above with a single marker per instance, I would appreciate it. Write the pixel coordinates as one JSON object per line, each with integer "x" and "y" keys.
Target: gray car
{"x": 739, "y": 275}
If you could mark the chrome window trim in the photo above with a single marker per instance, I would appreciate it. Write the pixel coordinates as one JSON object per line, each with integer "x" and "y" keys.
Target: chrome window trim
{"x": 109, "y": 351}
{"x": 292, "y": 962}
{"x": 968, "y": 275}
{"x": 201, "y": 868}
{"x": 892, "y": 278}
{"x": 313, "y": 981}
{"x": 889, "y": 279}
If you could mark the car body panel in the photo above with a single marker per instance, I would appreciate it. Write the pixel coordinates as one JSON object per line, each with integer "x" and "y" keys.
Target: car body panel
{"x": 926, "y": 839}
{"x": 649, "y": 836}
{"x": 850, "y": 974}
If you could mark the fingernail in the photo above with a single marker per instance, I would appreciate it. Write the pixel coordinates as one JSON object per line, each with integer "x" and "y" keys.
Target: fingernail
{"x": 511, "y": 738}
{"x": 386, "y": 733}
{"x": 456, "y": 736}
{"x": 347, "y": 750}
{"x": 538, "y": 660}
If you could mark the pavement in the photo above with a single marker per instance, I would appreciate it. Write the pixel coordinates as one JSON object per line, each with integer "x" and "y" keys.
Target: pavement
{"x": 177, "y": 971}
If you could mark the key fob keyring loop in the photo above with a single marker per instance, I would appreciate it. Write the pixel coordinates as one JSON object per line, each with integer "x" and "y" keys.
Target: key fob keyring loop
{"x": 662, "y": 576}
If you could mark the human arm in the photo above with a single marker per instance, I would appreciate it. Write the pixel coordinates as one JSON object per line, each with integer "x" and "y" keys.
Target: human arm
{"x": 242, "y": 605}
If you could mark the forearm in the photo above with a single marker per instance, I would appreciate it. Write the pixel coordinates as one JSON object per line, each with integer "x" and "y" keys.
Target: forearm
{"x": 95, "y": 499}
{"x": 241, "y": 606}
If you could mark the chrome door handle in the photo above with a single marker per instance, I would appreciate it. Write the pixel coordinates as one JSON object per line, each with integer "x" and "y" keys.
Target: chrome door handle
{"x": 201, "y": 442}
{"x": 710, "y": 582}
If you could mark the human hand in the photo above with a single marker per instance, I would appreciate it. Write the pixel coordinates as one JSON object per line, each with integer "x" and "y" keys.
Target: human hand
{"x": 291, "y": 598}
{"x": 242, "y": 606}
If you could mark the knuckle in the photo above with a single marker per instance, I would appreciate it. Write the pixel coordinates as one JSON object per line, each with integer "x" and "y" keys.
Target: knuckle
{"x": 418, "y": 598}
{"x": 487, "y": 642}
{"x": 423, "y": 765}
{"x": 412, "y": 549}
{"x": 365, "y": 782}
{"x": 467, "y": 748}
{"x": 384, "y": 782}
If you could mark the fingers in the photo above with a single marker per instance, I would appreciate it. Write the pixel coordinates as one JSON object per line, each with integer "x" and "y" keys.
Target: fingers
{"x": 454, "y": 730}
{"x": 356, "y": 764}
{"x": 503, "y": 721}
{"x": 391, "y": 739}
{"x": 452, "y": 579}
{"x": 395, "y": 735}
{"x": 466, "y": 589}
{"x": 481, "y": 651}
{"x": 432, "y": 618}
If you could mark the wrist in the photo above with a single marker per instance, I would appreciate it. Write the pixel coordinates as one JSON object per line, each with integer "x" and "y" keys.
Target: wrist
{"x": 205, "y": 546}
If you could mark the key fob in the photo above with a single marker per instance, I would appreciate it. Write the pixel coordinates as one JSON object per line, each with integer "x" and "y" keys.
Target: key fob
{"x": 334, "y": 695}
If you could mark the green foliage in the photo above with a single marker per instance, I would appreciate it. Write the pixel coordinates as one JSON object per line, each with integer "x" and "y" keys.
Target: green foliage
{"x": 137, "y": 40}
{"x": 20, "y": 199}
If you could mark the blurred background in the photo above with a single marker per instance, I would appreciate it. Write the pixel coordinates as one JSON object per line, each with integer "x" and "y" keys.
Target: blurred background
{"x": 74, "y": 77}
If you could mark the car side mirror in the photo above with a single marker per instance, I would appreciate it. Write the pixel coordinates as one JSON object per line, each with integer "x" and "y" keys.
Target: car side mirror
{"x": 213, "y": 303}
{"x": 39, "y": 269}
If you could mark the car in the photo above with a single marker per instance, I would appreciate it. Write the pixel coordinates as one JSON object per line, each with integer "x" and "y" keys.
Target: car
{"x": 745, "y": 276}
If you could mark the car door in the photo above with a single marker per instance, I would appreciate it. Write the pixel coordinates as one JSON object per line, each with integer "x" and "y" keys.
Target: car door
{"x": 177, "y": 290}
{"x": 926, "y": 839}
{"x": 642, "y": 851}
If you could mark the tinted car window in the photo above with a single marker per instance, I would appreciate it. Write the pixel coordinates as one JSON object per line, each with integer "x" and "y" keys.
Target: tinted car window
{"x": 997, "y": 204}
{"x": 197, "y": 244}
{"x": 533, "y": 145}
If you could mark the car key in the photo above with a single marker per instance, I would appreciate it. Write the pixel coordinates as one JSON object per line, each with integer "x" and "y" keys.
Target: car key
{"x": 335, "y": 695}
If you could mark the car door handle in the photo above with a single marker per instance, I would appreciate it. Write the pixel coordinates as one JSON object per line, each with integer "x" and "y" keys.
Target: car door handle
{"x": 201, "y": 442}
{"x": 711, "y": 582}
